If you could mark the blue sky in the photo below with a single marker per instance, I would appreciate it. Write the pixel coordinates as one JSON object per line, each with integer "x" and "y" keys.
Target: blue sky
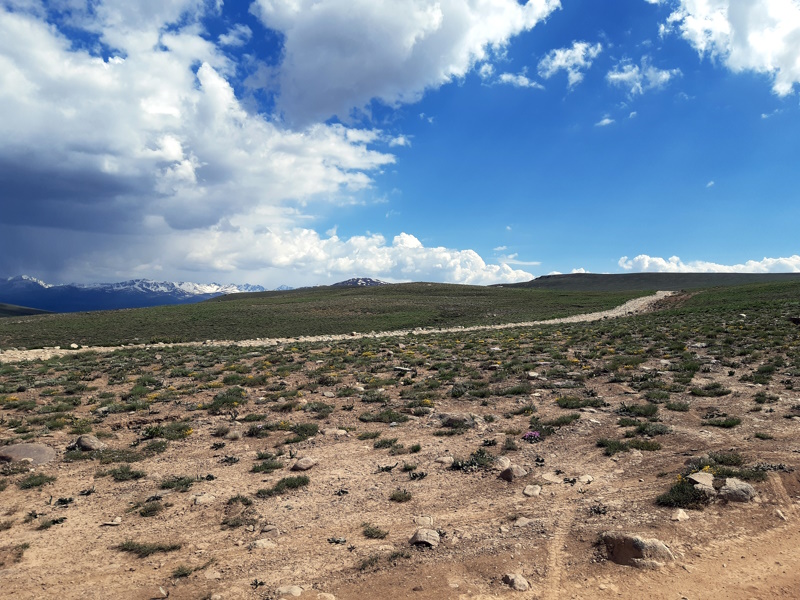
{"x": 307, "y": 141}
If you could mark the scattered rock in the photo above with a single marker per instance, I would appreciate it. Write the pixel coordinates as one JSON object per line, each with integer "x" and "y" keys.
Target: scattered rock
{"x": 736, "y": 490}
{"x": 324, "y": 596}
{"x": 445, "y": 460}
{"x": 204, "y": 499}
{"x": 531, "y": 375}
{"x": 334, "y": 432}
{"x": 74, "y": 346}
{"x": 456, "y": 419}
{"x": 304, "y": 464}
{"x": 516, "y": 582}
{"x": 513, "y": 472}
{"x": 780, "y": 515}
{"x": 679, "y": 515}
{"x": 631, "y": 550}
{"x": 502, "y": 463}
{"x": 113, "y": 523}
{"x": 586, "y": 479}
{"x": 522, "y": 522}
{"x": 89, "y": 443}
{"x": 532, "y": 490}
{"x": 423, "y": 521}
{"x": 35, "y": 454}
{"x": 233, "y": 434}
{"x": 329, "y": 394}
{"x": 289, "y": 590}
{"x": 263, "y": 544}
{"x": 425, "y": 537}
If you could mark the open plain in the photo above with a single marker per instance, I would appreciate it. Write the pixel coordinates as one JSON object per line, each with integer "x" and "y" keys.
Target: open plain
{"x": 516, "y": 459}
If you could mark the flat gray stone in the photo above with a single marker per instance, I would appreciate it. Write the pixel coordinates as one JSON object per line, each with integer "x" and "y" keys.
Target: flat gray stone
{"x": 702, "y": 478}
{"x": 532, "y": 490}
{"x": 35, "y": 454}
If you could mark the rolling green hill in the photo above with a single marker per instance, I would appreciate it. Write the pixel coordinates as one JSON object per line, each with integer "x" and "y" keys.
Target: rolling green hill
{"x": 309, "y": 311}
{"x": 596, "y": 282}
{"x": 12, "y": 310}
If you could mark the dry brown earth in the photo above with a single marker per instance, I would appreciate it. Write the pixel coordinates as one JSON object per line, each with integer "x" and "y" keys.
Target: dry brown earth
{"x": 488, "y": 526}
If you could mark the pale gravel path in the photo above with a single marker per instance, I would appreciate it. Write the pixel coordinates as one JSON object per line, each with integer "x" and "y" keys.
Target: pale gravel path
{"x": 631, "y": 307}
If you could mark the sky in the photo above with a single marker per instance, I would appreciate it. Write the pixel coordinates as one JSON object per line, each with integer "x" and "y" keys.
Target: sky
{"x": 303, "y": 142}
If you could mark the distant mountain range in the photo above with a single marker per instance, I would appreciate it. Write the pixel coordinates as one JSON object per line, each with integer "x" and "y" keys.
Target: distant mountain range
{"x": 26, "y": 292}
{"x": 137, "y": 293}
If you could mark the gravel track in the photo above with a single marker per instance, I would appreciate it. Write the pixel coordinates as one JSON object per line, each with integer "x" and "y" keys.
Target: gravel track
{"x": 631, "y": 307}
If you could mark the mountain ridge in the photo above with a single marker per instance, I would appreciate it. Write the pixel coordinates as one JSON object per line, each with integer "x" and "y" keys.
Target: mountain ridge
{"x": 27, "y": 291}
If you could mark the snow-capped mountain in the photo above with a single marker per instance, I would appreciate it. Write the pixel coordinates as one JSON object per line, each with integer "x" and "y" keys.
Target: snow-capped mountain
{"x": 136, "y": 293}
{"x": 359, "y": 282}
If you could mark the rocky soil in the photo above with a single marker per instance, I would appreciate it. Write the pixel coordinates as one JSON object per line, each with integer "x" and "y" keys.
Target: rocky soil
{"x": 460, "y": 501}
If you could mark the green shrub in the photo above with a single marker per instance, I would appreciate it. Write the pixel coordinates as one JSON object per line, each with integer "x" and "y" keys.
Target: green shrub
{"x": 177, "y": 483}
{"x": 143, "y": 550}
{"x": 683, "y": 495}
{"x": 385, "y": 416}
{"x": 125, "y": 473}
{"x": 34, "y": 481}
{"x": 573, "y": 402}
{"x": 638, "y": 410}
{"x": 228, "y": 400}
{"x": 712, "y": 390}
{"x": 400, "y": 496}
{"x": 612, "y": 447}
{"x": 372, "y": 532}
{"x": 727, "y": 422}
{"x": 287, "y": 483}
{"x": 268, "y": 466}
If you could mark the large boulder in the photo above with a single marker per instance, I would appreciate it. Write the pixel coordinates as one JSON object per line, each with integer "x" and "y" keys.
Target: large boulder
{"x": 634, "y": 551}
{"x": 304, "y": 464}
{"x": 513, "y": 472}
{"x": 736, "y": 490}
{"x": 425, "y": 537}
{"x": 89, "y": 443}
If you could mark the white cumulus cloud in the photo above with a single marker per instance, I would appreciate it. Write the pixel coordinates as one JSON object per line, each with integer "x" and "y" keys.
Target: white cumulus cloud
{"x": 575, "y": 61}
{"x": 518, "y": 80}
{"x": 637, "y": 79}
{"x": 746, "y": 35}
{"x": 146, "y": 161}
{"x": 341, "y": 54}
{"x": 304, "y": 251}
{"x": 645, "y": 263}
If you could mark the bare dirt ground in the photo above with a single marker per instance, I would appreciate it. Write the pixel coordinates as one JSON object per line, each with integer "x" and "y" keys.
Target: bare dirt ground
{"x": 313, "y": 537}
